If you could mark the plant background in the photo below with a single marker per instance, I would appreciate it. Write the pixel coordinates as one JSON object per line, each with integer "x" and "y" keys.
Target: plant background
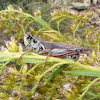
{"x": 60, "y": 79}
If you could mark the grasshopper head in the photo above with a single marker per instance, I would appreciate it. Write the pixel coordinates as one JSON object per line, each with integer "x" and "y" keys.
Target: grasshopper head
{"x": 32, "y": 42}
{"x": 27, "y": 38}
{"x": 84, "y": 50}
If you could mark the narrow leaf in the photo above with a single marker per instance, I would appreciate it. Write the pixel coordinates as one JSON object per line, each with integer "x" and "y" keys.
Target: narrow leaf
{"x": 85, "y": 73}
{"x": 57, "y": 71}
{"x": 53, "y": 36}
{"x": 42, "y": 22}
{"x": 25, "y": 60}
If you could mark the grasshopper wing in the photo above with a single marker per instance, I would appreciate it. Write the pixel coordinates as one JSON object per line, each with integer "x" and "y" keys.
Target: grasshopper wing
{"x": 78, "y": 49}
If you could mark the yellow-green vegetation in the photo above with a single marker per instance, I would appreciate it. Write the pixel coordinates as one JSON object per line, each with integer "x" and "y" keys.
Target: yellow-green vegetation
{"x": 26, "y": 78}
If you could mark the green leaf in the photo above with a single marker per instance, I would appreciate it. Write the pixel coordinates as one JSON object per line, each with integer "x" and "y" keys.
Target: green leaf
{"x": 85, "y": 73}
{"x": 85, "y": 44}
{"x": 5, "y": 59}
{"x": 53, "y": 36}
{"x": 77, "y": 79}
{"x": 56, "y": 72}
{"x": 25, "y": 60}
{"x": 43, "y": 23}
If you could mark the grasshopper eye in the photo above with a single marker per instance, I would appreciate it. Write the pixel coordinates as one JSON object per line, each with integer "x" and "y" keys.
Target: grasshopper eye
{"x": 78, "y": 50}
{"x": 29, "y": 37}
{"x": 34, "y": 40}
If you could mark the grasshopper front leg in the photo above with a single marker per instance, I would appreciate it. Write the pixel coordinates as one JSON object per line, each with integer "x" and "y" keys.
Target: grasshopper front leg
{"x": 25, "y": 53}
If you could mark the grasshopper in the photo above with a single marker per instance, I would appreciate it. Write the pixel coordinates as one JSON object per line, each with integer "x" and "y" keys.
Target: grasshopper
{"x": 54, "y": 49}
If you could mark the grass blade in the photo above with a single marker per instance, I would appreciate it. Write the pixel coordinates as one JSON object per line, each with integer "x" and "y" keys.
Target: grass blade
{"x": 43, "y": 23}
{"x": 56, "y": 72}
{"x": 85, "y": 73}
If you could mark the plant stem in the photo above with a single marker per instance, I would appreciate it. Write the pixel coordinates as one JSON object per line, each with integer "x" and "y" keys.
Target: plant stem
{"x": 1, "y": 68}
{"x": 32, "y": 69}
{"x": 87, "y": 87}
